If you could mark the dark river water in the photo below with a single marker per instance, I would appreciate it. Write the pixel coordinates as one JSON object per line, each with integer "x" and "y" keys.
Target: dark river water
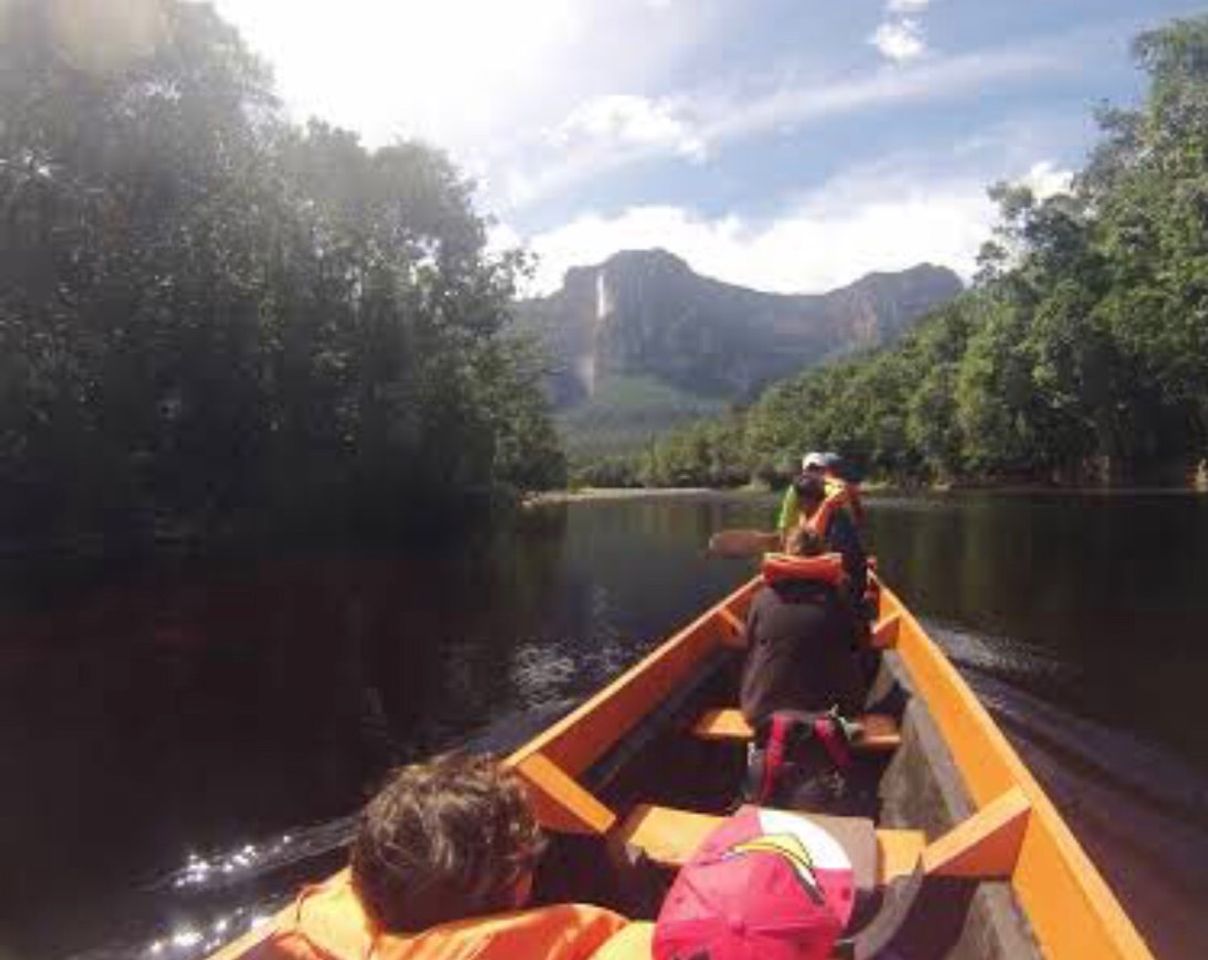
{"x": 181, "y": 744}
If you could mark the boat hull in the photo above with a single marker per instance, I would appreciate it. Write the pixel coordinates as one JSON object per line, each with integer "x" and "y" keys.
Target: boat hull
{"x": 627, "y": 782}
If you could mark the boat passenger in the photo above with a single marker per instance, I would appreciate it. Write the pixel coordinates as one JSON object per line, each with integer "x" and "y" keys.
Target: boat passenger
{"x": 441, "y": 868}
{"x": 812, "y": 463}
{"x": 836, "y": 478}
{"x": 798, "y": 637}
{"x": 824, "y": 510}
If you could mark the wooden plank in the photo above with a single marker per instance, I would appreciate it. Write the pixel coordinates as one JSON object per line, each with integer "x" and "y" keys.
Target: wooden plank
{"x": 725, "y": 724}
{"x": 669, "y": 837}
{"x": 562, "y": 804}
{"x": 743, "y": 543}
{"x": 879, "y": 732}
{"x": 985, "y": 846}
{"x": 898, "y": 853}
{"x": 666, "y": 835}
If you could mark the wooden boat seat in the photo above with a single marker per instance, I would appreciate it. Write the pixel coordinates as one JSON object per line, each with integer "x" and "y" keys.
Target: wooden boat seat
{"x": 928, "y": 887}
{"x": 668, "y": 837}
{"x": 879, "y": 732}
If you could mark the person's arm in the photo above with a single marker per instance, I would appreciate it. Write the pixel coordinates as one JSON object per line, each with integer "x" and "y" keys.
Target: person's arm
{"x": 856, "y": 502}
{"x": 748, "y": 628}
{"x": 841, "y": 536}
{"x": 789, "y": 511}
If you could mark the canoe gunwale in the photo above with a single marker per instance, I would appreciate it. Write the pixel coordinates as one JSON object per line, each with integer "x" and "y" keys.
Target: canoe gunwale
{"x": 581, "y": 739}
{"x": 1069, "y": 906}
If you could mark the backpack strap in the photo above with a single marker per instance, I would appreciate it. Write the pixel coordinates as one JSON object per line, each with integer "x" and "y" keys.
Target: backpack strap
{"x": 829, "y": 733}
{"x": 773, "y": 756}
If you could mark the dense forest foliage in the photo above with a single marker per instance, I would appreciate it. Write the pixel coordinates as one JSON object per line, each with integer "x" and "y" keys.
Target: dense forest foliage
{"x": 209, "y": 314}
{"x": 1079, "y": 355}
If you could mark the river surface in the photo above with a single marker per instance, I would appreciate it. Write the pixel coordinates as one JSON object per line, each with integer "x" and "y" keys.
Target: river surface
{"x": 182, "y": 743}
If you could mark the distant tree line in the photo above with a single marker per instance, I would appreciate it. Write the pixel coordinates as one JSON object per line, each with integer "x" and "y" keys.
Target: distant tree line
{"x": 1079, "y": 355}
{"x": 209, "y": 314}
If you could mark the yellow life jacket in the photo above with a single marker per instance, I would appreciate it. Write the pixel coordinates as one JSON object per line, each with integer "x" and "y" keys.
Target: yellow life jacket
{"x": 327, "y": 922}
{"x": 826, "y": 568}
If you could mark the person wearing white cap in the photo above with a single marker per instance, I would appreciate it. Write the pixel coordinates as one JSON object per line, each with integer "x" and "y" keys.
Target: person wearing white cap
{"x": 842, "y": 534}
{"x": 817, "y": 461}
{"x": 812, "y": 462}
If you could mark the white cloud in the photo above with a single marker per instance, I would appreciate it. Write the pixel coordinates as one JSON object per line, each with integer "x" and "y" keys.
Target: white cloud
{"x": 907, "y": 6}
{"x": 628, "y": 120}
{"x": 815, "y": 246}
{"x": 721, "y": 120}
{"x": 1045, "y": 179}
{"x": 465, "y": 74}
{"x": 439, "y": 70}
{"x": 885, "y": 216}
{"x": 899, "y": 40}
{"x": 809, "y": 249}
{"x": 949, "y": 78}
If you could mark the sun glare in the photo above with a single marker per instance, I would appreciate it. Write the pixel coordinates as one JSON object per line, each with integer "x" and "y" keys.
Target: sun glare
{"x": 447, "y": 70}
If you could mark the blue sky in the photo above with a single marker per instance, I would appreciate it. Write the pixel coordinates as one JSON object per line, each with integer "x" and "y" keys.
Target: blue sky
{"x": 785, "y": 144}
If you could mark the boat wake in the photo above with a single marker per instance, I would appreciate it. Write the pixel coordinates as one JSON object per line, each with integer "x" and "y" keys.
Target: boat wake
{"x": 218, "y": 896}
{"x": 1140, "y": 811}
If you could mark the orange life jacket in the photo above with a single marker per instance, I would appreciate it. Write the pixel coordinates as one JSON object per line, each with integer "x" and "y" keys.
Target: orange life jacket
{"x": 327, "y": 922}
{"x": 826, "y": 568}
{"x": 837, "y": 486}
{"x": 838, "y": 496}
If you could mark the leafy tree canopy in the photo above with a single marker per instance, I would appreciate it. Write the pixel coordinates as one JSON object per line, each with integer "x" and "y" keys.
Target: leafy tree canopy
{"x": 207, "y": 313}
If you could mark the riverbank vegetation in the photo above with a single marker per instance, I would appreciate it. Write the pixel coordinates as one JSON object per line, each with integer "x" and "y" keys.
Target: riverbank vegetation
{"x": 1079, "y": 355}
{"x": 208, "y": 313}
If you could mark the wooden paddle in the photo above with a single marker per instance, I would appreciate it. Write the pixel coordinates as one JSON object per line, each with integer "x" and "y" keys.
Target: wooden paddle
{"x": 742, "y": 543}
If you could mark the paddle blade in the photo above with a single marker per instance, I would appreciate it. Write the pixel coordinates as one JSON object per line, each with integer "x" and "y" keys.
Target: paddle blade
{"x": 742, "y": 543}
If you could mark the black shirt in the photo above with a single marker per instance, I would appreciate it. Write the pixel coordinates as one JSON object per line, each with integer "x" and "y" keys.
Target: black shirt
{"x": 799, "y": 653}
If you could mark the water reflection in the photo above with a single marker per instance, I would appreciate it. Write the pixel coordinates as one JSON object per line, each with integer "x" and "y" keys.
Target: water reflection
{"x": 190, "y": 739}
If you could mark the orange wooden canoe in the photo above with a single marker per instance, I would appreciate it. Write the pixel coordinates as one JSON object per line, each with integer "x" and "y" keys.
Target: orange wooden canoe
{"x": 629, "y": 782}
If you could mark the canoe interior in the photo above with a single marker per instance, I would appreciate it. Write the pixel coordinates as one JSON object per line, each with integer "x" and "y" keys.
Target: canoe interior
{"x": 918, "y": 787}
{"x": 952, "y": 800}
{"x": 632, "y": 744}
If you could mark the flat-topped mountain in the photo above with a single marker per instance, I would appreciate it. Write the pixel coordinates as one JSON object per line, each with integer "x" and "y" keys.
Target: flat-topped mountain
{"x": 645, "y": 314}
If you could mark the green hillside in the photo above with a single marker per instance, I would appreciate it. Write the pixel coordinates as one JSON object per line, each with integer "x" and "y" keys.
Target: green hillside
{"x": 1080, "y": 355}
{"x": 625, "y": 413}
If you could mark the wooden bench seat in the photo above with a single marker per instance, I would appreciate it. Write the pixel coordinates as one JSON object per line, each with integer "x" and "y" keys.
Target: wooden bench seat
{"x": 669, "y": 837}
{"x": 879, "y": 732}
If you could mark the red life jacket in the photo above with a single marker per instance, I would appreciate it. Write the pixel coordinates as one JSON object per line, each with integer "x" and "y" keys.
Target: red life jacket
{"x": 327, "y": 922}
{"x": 826, "y": 568}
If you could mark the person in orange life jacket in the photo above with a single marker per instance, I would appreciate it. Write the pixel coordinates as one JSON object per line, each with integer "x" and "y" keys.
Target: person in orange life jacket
{"x": 441, "y": 868}
{"x": 835, "y": 476}
{"x": 826, "y": 513}
{"x": 829, "y": 466}
{"x": 798, "y": 638}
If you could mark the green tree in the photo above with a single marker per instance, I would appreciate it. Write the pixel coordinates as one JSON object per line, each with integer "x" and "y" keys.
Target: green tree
{"x": 207, "y": 313}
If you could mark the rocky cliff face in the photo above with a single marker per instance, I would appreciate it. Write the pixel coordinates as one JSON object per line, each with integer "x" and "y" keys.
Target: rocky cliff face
{"x": 646, "y": 313}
